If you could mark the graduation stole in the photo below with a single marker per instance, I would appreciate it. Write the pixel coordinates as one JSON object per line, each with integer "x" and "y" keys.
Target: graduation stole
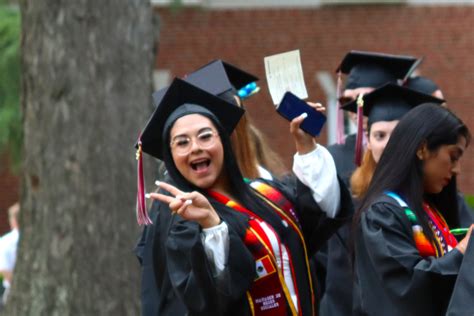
{"x": 443, "y": 238}
{"x": 268, "y": 294}
{"x": 284, "y": 208}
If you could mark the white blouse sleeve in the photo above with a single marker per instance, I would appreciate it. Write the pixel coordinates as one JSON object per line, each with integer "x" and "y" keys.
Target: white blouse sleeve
{"x": 317, "y": 171}
{"x": 216, "y": 246}
{"x": 264, "y": 173}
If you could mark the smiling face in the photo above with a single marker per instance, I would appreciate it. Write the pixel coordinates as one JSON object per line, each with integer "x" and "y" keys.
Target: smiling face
{"x": 441, "y": 165}
{"x": 197, "y": 150}
{"x": 378, "y": 137}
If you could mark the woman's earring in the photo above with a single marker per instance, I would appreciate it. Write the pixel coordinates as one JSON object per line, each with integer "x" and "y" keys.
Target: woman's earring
{"x": 420, "y": 153}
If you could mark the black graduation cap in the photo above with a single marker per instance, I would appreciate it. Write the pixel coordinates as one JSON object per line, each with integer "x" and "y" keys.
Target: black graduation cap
{"x": 390, "y": 102}
{"x": 421, "y": 84}
{"x": 370, "y": 69}
{"x": 387, "y": 103}
{"x": 217, "y": 77}
{"x": 177, "y": 94}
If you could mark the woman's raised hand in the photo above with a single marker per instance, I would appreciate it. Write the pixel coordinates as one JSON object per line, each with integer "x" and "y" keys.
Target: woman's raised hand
{"x": 192, "y": 206}
{"x": 304, "y": 142}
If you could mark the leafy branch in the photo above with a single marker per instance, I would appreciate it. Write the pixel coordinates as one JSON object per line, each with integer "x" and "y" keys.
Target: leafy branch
{"x": 10, "y": 114}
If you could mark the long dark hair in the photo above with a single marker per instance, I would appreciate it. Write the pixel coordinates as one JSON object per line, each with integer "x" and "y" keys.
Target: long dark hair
{"x": 400, "y": 170}
{"x": 239, "y": 189}
{"x": 241, "y": 140}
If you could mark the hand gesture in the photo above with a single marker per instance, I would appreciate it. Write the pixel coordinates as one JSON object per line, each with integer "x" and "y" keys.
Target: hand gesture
{"x": 192, "y": 206}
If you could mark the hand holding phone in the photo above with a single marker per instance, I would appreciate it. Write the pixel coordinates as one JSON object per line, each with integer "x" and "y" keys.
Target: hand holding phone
{"x": 291, "y": 106}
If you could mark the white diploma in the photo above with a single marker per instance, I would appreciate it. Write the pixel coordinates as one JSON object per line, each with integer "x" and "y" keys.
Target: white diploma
{"x": 284, "y": 73}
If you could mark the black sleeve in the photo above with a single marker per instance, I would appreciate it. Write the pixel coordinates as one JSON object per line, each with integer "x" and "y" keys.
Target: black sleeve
{"x": 191, "y": 276}
{"x": 317, "y": 227}
{"x": 408, "y": 281}
{"x": 140, "y": 245}
{"x": 463, "y": 295}
{"x": 150, "y": 293}
{"x": 144, "y": 242}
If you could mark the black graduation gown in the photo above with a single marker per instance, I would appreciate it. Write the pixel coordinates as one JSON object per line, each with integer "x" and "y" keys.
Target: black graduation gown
{"x": 343, "y": 156}
{"x": 462, "y": 299}
{"x": 392, "y": 277}
{"x": 337, "y": 294}
{"x": 184, "y": 280}
{"x": 332, "y": 263}
{"x": 335, "y": 264}
{"x": 143, "y": 251}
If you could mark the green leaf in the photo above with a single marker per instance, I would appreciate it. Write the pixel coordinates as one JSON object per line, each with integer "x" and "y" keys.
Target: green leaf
{"x": 10, "y": 114}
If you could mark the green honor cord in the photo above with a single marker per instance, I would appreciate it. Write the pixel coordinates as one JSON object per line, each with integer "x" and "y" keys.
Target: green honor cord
{"x": 459, "y": 231}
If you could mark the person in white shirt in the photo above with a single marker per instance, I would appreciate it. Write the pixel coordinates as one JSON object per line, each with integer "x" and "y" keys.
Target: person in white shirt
{"x": 8, "y": 249}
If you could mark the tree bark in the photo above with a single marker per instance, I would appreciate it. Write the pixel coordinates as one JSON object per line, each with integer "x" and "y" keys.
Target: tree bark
{"x": 86, "y": 87}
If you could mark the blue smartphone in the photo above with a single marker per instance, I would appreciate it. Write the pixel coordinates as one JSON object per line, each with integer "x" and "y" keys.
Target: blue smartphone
{"x": 291, "y": 106}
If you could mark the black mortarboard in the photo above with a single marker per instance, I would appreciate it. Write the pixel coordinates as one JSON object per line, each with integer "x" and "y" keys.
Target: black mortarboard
{"x": 218, "y": 77}
{"x": 179, "y": 99}
{"x": 390, "y": 102}
{"x": 421, "y": 84}
{"x": 387, "y": 103}
{"x": 177, "y": 94}
{"x": 369, "y": 69}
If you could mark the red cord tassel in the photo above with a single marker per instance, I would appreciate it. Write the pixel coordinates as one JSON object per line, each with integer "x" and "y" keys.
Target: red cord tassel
{"x": 360, "y": 130}
{"x": 340, "y": 139}
{"x": 142, "y": 214}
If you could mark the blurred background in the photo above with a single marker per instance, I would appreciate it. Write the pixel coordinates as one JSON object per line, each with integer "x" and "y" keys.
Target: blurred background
{"x": 244, "y": 32}
{"x": 188, "y": 34}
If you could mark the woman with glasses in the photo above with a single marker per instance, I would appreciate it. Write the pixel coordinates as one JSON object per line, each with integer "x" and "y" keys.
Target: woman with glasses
{"x": 225, "y": 246}
{"x": 231, "y": 84}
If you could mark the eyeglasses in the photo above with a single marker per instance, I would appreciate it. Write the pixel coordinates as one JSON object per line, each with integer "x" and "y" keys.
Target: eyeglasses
{"x": 182, "y": 145}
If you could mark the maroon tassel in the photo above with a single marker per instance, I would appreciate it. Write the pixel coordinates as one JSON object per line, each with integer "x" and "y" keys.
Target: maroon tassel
{"x": 340, "y": 139}
{"x": 142, "y": 214}
{"x": 360, "y": 130}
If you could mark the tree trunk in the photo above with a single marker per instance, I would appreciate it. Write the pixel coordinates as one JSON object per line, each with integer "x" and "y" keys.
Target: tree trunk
{"x": 86, "y": 94}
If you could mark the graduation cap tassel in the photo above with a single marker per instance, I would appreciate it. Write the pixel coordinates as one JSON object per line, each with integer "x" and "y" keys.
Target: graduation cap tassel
{"x": 142, "y": 214}
{"x": 340, "y": 114}
{"x": 360, "y": 130}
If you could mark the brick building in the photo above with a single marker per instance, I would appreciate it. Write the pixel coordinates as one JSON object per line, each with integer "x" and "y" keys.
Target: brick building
{"x": 9, "y": 192}
{"x": 244, "y": 32}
